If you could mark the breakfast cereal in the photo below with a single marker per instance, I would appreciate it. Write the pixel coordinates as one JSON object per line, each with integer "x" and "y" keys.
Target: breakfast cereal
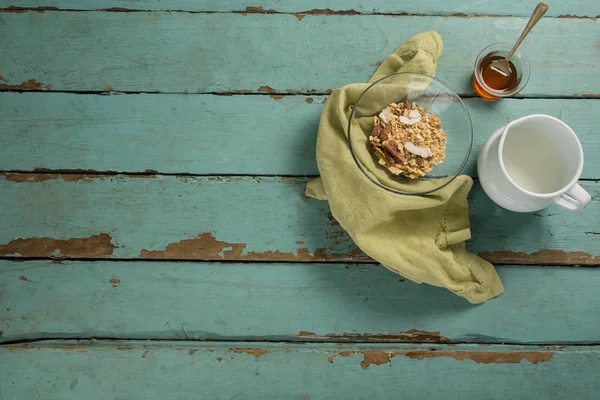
{"x": 408, "y": 140}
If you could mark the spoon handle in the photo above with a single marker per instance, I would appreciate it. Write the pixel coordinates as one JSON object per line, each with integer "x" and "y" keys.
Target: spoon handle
{"x": 538, "y": 13}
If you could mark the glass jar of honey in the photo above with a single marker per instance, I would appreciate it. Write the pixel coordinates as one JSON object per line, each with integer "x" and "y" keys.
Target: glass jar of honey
{"x": 493, "y": 85}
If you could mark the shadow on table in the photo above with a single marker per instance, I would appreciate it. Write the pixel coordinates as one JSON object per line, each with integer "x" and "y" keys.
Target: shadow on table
{"x": 371, "y": 288}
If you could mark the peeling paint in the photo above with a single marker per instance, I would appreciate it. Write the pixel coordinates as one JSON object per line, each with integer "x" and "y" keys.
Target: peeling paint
{"x": 253, "y": 352}
{"x": 219, "y": 359}
{"x": 97, "y": 246}
{"x": 309, "y": 100}
{"x": 256, "y": 10}
{"x": 357, "y": 253}
{"x": 219, "y": 179}
{"x": 558, "y": 257}
{"x": 3, "y": 79}
{"x": 309, "y": 92}
{"x": 485, "y": 357}
{"x": 590, "y": 95}
{"x": 463, "y": 15}
{"x": 412, "y": 335}
{"x": 73, "y": 383}
{"x": 276, "y": 96}
{"x": 23, "y": 278}
{"x": 290, "y": 180}
{"x": 206, "y": 247}
{"x": 115, "y": 281}
{"x": 379, "y": 357}
{"x": 69, "y": 171}
{"x": 69, "y": 347}
{"x": 266, "y": 89}
{"x": 31, "y": 84}
{"x": 324, "y": 11}
{"x": 43, "y": 177}
{"x": 570, "y": 16}
{"x": 1, "y": 333}
{"x": 332, "y": 220}
{"x": 192, "y": 351}
{"x": 18, "y": 10}
{"x": 243, "y": 91}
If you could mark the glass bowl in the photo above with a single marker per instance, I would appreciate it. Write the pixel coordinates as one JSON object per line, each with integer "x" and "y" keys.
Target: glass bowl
{"x": 425, "y": 91}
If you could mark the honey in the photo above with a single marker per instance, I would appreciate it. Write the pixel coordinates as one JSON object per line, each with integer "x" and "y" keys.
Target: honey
{"x": 490, "y": 78}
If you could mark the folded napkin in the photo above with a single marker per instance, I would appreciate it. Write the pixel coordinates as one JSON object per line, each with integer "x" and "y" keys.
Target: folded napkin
{"x": 420, "y": 237}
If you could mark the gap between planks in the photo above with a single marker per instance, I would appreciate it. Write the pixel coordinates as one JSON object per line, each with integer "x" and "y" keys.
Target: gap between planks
{"x": 336, "y": 340}
{"x": 25, "y": 88}
{"x": 88, "y": 173}
{"x": 366, "y": 262}
{"x": 300, "y": 15}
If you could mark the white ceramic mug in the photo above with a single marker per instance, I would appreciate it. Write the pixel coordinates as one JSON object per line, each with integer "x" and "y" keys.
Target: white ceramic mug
{"x": 531, "y": 163}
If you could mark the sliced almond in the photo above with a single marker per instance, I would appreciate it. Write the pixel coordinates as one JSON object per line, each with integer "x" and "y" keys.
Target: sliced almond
{"x": 414, "y": 114}
{"x": 424, "y": 152}
{"x": 409, "y": 121}
{"x": 386, "y": 115}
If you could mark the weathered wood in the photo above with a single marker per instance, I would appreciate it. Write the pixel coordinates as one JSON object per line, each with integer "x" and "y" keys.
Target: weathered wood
{"x": 201, "y": 134}
{"x": 233, "y": 52}
{"x": 580, "y": 8}
{"x": 200, "y": 218}
{"x": 290, "y": 302}
{"x": 149, "y": 371}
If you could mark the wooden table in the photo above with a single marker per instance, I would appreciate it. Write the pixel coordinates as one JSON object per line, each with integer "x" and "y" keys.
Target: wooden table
{"x": 156, "y": 243}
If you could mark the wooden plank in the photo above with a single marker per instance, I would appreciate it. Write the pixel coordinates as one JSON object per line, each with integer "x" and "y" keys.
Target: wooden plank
{"x": 86, "y": 51}
{"x": 151, "y": 371}
{"x": 202, "y": 218}
{"x": 182, "y": 134}
{"x": 290, "y": 302}
{"x": 580, "y": 8}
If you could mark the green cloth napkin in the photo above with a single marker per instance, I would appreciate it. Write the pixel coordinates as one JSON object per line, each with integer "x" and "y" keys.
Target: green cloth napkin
{"x": 420, "y": 237}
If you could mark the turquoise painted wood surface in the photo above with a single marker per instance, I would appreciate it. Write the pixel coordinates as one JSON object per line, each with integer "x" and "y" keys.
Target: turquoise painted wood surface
{"x": 274, "y": 371}
{"x": 283, "y": 325}
{"x": 245, "y": 218}
{"x": 183, "y": 133}
{"x": 581, "y": 8}
{"x": 86, "y": 51}
{"x": 288, "y": 302}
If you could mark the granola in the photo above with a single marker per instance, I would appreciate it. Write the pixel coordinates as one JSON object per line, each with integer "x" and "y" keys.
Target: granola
{"x": 408, "y": 140}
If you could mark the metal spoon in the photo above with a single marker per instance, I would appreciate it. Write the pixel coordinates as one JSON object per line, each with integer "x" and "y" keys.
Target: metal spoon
{"x": 502, "y": 65}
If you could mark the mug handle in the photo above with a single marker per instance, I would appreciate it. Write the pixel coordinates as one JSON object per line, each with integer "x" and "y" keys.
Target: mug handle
{"x": 575, "y": 199}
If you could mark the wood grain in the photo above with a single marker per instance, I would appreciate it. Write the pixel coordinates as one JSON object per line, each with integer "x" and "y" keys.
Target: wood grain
{"x": 201, "y": 134}
{"x": 318, "y": 7}
{"x": 151, "y": 371}
{"x": 202, "y": 218}
{"x": 196, "y": 53}
{"x": 288, "y": 302}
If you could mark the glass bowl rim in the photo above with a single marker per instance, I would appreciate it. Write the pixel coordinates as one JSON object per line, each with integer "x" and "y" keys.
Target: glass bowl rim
{"x": 455, "y": 174}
